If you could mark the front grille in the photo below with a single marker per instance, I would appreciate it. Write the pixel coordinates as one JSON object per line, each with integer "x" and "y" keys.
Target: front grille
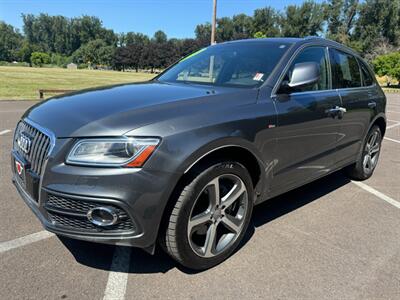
{"x": 71, "y": 214}
{"x": 39, "y": 148}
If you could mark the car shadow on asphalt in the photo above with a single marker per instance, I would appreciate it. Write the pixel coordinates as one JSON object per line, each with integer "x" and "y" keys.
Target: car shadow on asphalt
{"x": 100, "y": 256}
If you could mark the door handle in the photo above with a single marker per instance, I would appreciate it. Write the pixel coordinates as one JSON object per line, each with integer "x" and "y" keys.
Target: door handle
{"x": 372, "y": 104}
{"x": 336, "y": 111}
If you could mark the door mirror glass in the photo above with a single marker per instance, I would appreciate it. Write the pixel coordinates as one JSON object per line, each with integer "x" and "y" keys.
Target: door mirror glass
{"x": 304, "y": 74}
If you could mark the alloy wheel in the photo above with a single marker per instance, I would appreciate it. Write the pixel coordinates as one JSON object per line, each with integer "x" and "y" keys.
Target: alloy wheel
{"x": 371, "y": 155}
{"x": 218, "y": 215}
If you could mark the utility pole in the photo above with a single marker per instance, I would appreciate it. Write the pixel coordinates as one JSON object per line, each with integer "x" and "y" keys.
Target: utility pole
{"x": 214, "y": 23}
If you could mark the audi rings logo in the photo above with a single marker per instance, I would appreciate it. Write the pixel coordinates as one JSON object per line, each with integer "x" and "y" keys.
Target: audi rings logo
{"x": 24, "y": 142}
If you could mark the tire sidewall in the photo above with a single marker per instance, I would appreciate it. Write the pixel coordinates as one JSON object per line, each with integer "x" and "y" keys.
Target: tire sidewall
{"x": 186, "y": 252}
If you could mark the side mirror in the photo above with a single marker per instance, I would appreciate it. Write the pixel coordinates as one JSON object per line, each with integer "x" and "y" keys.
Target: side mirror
{"x": 304, "y": 74}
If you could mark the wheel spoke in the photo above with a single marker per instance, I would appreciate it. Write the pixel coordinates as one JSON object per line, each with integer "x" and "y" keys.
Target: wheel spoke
{"x": 366, "y": 160}
{"x": 214, "y": 194}
{"x": 231, "y": 223}
{"x": 237, "y": 190}
{"x": 375, "y": 148}
{"x": 369, "y": 161}
{"x": 373, "y": 139}
{"x": 210, "y": 242}
{"x": 199, "y": 220}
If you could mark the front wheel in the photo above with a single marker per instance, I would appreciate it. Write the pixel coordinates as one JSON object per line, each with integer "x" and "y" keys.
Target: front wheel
{"x": 210, "y": 216}
{"x": 366, "y": 163}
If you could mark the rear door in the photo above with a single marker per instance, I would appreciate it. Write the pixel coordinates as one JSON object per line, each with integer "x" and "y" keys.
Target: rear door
{"x": 357, "y": 99}
{"x": 307, "y": 136}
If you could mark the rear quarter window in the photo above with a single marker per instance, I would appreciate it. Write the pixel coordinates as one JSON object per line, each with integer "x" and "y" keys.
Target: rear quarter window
{"x": 345, "y": 70}
{"x": 366, "y": 74}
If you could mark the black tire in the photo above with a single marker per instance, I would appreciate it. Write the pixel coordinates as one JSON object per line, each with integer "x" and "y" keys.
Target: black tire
{"x": 358, "y": 171}
{"x": 175, "y": 239}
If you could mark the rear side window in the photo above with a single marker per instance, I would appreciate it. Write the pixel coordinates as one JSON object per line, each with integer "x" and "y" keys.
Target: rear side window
{"x": 345, "y": 70}
{"x": 317, "y": 55}
{"x": 366, "y": 74}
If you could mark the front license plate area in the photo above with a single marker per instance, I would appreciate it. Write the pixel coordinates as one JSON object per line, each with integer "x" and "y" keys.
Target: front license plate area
{"x": 26, "y": 178}
{"x": 19, "y": 167}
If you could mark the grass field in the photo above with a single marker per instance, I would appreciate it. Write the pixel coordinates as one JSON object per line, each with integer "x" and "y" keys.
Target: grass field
{"x": 21, "y": 83}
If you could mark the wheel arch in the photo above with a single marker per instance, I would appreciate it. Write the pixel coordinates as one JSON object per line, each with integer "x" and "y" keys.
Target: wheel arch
{"x": 380, "y": 121}
{"x": 233, "y": 151}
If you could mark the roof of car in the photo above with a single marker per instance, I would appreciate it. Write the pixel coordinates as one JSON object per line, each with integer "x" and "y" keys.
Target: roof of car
{"x": 277, "y": 40}
{"x": 299, "y": 41}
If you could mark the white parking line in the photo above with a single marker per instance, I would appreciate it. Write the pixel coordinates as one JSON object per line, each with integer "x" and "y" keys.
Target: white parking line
{"x": 392, "y": 126}
{"x": 377, "y": 193}
{"x": 392, "y": 111}
{"x": 392, "y": 140}
{"x": 118, "y": 277}
{"x": 25, "y": 240}
{"x": 5, "y": 131}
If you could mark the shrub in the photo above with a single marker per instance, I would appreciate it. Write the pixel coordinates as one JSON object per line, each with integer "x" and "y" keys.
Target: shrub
{"x": 40, "y": 59}
{"x": 13, "y": 64}
{"x": 388, "y": 65}
{"x": 83, "y": 66}
{"x": 60, "y": 60}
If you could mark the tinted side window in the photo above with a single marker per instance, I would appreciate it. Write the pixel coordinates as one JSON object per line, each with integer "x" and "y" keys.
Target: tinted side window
{"x": 345, "y": 70}
{"x": 317, "y": 55}
{"x": 367, "y": 77}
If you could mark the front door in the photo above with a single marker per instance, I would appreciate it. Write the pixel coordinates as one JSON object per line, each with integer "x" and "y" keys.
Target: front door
{"x": 308, "y": 131}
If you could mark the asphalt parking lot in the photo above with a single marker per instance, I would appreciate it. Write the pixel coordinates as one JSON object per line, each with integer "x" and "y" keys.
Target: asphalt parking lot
{"x": 333, "y": 238}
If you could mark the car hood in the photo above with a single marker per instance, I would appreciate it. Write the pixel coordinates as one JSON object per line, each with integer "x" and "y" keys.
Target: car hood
{"x": 115, "y": 110}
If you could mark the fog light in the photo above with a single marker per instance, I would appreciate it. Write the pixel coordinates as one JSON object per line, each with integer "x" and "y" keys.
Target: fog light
{"x": 103, "y": 216}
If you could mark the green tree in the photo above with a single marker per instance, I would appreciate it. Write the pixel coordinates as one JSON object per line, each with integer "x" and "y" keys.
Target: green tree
{"x": 243, "y": 25}
{"x": 378, "y": 20}
{"x": 160, "y": 37}
{"x": 63, "y": 35}
{"x": 132, "y": 38}
{"x": 40, "y": 58}
{"x": 265, "y": 20}
{"x": 60, "y": 60}
{"x": 225, "y": 29}
{"x": 388, "y": 65}
{"x": 95, "y": 52}
{"x": 186, "y": 47}
{"x": 203, "y": 34}
{"x": 26, "y": 50}
{"x": 304, "y": 20}
{"x": 10, "y": 41}
{"x": 341, "y": 16}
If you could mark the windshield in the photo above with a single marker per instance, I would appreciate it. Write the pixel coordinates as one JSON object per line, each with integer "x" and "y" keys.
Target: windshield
{"x": 246, "y": 64}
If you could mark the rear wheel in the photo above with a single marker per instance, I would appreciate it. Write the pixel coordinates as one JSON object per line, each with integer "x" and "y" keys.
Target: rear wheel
{"x": 366, "y": 164}
{"x": 210, "y": 216}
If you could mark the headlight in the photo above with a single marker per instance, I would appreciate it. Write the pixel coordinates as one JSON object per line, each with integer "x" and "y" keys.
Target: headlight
{"x": 125, "y": 152}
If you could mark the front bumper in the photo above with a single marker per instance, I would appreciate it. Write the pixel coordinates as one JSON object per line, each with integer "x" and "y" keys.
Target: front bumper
{"x": 142, "y": 194}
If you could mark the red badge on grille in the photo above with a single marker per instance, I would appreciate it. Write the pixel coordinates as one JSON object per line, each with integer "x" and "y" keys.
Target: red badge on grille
{"x": 19, "y": 167}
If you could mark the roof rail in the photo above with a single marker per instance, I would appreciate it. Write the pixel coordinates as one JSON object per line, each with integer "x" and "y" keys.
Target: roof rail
{"x": 310, "y": 37}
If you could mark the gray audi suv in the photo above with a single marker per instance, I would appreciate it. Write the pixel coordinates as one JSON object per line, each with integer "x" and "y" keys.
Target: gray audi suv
{"x": 181, "y": 160}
